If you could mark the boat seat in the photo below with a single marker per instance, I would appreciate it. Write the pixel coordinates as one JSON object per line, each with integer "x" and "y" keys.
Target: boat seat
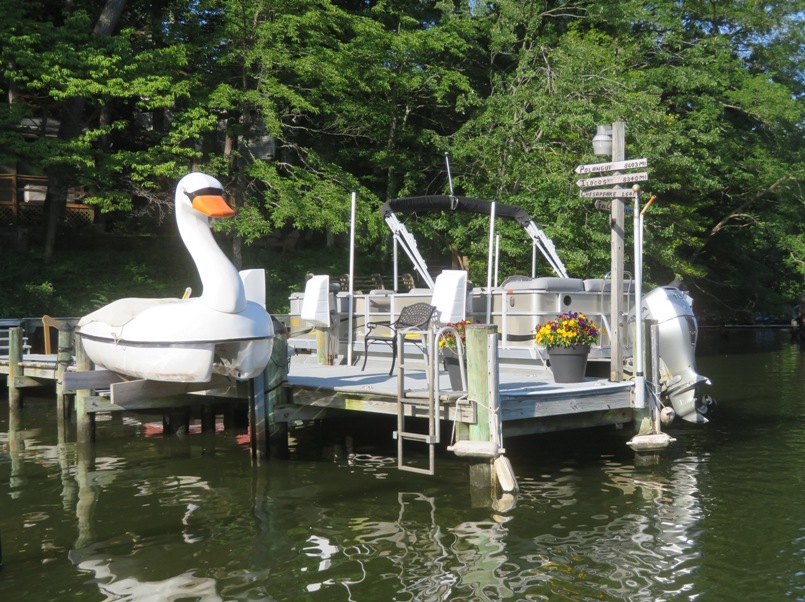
{"x": 604, "y": 285}
{"x": 548, "y": 283}
{"x": 412, "y": 317}
{"x": 515, "y": 278}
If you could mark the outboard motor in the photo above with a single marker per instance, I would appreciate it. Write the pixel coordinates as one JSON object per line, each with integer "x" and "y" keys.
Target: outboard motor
{"x": 678, "y": 331}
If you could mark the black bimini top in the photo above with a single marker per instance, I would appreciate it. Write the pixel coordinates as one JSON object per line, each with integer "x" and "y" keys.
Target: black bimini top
{"x": 443, "y": 202}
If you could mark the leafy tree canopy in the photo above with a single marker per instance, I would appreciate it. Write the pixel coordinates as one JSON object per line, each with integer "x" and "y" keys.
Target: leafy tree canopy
{"x": 294, "y": 104}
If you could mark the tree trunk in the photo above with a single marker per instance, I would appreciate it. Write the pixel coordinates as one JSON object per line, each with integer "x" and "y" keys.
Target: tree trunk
{"x": 72, "y": 122}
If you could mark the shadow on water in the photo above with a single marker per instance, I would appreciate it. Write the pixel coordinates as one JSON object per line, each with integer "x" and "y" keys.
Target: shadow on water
{"x": 138, "y": 517}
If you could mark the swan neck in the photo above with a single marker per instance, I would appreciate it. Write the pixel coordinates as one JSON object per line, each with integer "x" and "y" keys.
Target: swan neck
{"x": 222, "y": 287}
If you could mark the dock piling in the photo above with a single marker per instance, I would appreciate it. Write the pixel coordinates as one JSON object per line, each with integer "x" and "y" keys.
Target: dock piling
{"x": 14, "y": 371}
{"x": 64, "y": 358}
{"x": 85, "y": 421}
{"x": 269, "y": 439}
{"x": 482, "y": 440}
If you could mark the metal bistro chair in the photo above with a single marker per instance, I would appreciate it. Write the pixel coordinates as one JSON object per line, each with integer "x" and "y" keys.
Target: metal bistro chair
{"x": 412, "y": 317}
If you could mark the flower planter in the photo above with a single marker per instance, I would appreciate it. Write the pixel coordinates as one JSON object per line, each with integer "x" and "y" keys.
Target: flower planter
{"x": 568, "y": 364}
{"x": 450, "y": 360}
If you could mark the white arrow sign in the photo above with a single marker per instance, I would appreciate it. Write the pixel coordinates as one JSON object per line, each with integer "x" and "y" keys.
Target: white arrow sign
{"x": 603, "y": 193}
{"x": 640, "y": 176}
{"x": 615, "y": 166}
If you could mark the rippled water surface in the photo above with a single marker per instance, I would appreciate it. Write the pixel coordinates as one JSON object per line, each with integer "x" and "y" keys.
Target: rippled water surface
{"x": 138, "y": 517}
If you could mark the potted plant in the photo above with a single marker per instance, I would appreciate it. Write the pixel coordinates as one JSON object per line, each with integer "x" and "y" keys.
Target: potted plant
{"x": 568, "y": 339}
{"x": 448, "y": 346}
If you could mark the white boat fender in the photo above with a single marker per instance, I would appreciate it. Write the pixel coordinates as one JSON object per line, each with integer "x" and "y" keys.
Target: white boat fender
{"x": 475, "y": 449}
{"x": 667, "y": 415}
{"x": 505, "y": 474}
{"x": 651, "y": 442}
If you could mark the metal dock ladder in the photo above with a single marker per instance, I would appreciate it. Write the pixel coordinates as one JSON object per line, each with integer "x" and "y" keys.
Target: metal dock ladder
{"x": 418, "y": 406}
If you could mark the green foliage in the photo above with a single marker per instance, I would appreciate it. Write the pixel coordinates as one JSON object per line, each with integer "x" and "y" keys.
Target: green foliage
{"x": 294, "y": 104}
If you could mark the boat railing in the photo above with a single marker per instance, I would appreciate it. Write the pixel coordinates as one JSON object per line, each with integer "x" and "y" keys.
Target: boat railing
{"x": 516, "y": 313}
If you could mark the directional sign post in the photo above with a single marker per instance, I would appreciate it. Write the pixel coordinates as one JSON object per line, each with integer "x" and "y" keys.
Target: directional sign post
{"x": 619, "y": 164}
{"x": 612, "y": 166}
{"x": 608, "y": 193}
{"x": 629, "y": 178}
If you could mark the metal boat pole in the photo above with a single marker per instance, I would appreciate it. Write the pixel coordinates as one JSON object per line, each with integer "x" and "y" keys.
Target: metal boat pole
{"x": 449, "y": 175}
{"x": 396, "y": 274}
{"x": 640, "y": 385}
{"x": 497, "y": 259}
{"x": 617, "y": 228}
{"x": 489, "y": 265}
{"x": 649, "y": 438}
{"x": 351, "y": 277}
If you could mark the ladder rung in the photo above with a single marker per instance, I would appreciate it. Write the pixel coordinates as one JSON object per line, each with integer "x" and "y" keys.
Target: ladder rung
{"x": 415, "y": 401}
{"x": 416, "y": 407}
{"x": 429, "y": 439}
{"x": 426, "y": 471}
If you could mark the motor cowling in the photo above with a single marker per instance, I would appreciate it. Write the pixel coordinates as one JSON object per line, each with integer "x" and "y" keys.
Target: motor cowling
{"x": 678, "y": 330}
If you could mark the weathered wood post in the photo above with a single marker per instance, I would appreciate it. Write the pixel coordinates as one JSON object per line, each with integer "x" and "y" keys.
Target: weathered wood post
{"x": 277, "y": 394}
{"x": 85, "y": 421}
{"x": 482, "y": 390}
{"x": 87, "y": 495}
{"x": 64, "y": 357}
{"x": 618, "y": 227}
{"x": 176, "y": 422}
{"x": 268, "y": 438}
{"x": 327, "y": 339}
{"x": 14, "y": 369}
{"x": 207, "y": 418}
{"x": 15, "y": 445}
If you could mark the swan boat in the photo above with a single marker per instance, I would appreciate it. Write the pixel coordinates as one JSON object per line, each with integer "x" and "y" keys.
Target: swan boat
{"x": 224, "y": 331}
{"x": 521, "y": 302}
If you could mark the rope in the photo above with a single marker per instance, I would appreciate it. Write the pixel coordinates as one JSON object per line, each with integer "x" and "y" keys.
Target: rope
{"x": 275, "y": 387}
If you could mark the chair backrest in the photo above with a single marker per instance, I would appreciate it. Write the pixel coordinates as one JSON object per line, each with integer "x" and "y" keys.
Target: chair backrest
{"x": 49, "y": 322}
{"x": 417, "y": 315}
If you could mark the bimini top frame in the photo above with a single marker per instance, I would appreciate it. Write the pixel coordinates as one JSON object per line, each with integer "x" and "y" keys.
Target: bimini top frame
{"x": 425, "y": 204}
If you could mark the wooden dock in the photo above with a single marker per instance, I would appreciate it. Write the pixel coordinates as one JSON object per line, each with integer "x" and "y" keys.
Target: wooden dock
{"x": 530, "y": 401}
{"x": 498, "y": 402}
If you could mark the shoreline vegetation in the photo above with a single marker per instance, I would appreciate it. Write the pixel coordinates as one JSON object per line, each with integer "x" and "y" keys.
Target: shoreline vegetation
{"x": 92, "y": 269}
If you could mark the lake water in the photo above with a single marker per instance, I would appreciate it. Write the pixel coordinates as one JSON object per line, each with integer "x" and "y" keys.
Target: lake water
{"x": 141, "y": 517}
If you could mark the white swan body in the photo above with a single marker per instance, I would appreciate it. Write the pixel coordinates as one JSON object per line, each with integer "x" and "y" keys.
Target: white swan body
{"x": 186, "y": 340}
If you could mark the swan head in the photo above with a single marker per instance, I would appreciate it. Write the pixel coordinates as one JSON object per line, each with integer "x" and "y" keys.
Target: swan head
{"x": 203, "y": 194}
{"x": 199, "y": 197}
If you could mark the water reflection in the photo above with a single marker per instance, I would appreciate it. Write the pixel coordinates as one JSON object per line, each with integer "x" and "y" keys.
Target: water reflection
{"x": 142, "y": 518}
{"x": 625, "y": 533}
{"x": 151, "y": 524}
{"x": 431, "y": 560}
